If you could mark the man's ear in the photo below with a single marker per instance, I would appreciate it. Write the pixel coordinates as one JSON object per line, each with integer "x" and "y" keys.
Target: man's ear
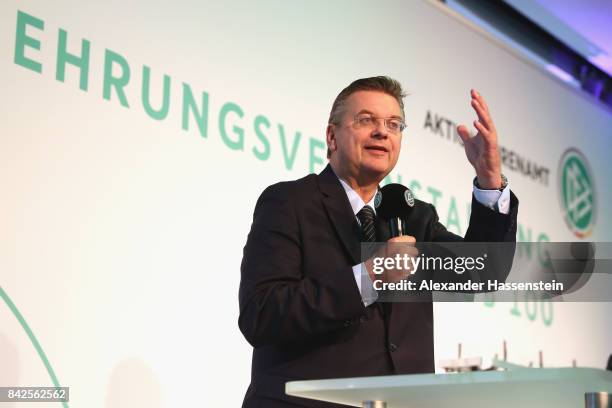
{"x": 330, "y": 137}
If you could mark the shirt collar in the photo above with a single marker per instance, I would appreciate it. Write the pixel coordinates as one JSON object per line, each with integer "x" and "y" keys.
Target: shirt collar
{"x": 355, "y": 200}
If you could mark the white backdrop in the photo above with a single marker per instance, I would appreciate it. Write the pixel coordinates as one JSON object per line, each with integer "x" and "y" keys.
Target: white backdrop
{"x": 121, "y": 235}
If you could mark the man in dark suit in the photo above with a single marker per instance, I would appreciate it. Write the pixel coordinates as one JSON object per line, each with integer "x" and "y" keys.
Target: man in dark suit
{"x": 302, "y": 304}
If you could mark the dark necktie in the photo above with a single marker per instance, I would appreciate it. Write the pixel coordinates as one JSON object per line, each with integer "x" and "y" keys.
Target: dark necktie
{"x": 366, "y": 218}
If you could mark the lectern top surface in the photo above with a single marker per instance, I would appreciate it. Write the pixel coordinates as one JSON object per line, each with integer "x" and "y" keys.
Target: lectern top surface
{"x": 541, "y": 387}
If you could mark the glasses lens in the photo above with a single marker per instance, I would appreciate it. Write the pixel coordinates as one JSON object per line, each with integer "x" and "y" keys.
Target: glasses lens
{"x": 395, "y": 125}
{"x": 364, "y": 120}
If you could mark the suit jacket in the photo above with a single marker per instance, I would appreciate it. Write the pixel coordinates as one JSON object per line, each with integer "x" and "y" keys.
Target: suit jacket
{"x": 300, "y": 307}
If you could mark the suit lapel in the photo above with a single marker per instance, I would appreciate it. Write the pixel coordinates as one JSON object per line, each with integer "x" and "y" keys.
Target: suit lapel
{"x": 340, "y": 213}
{"x": 342, "y": 218}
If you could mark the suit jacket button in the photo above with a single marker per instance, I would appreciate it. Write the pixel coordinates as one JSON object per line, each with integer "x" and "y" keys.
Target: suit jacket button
{"x": 347, "y": 323}
{"x": 392, "y": 347}
{"x": 362, "y": 319}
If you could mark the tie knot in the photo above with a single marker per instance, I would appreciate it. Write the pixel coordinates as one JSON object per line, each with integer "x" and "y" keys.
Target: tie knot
{"x": 366, "y": 214}
{"x": 366, "y": 218}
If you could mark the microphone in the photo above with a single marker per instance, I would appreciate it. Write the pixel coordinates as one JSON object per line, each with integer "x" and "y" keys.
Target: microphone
{"x": 395, "y": 207}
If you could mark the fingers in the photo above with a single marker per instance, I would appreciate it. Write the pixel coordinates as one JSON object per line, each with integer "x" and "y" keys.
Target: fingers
{"x": 480, "y": 127}
{"x": 463, "y": 133}
{"x": 400, "y": 253}
{"x": 483, "y": 114}
{"x": 482, "y": 110}
{"x": 404, "y": 244}
{"x": 477, "y": 96}
{"x": 403, "y": 238}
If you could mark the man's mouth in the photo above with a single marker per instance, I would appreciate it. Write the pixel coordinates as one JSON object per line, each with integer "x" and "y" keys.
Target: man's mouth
{"x": 377, "y": 148}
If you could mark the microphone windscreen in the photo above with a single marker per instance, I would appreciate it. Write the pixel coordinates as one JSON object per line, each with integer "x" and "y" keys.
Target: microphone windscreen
{"x": 397, "y": 201}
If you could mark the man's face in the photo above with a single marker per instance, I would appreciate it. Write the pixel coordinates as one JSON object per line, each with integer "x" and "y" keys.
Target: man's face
{"x": 365, "y": 152}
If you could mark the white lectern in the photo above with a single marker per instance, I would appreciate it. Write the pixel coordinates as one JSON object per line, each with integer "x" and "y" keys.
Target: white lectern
{"x": 523, "y": 387}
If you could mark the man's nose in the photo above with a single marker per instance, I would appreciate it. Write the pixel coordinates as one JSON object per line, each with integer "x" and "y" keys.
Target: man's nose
{"x": 380, "y": 128}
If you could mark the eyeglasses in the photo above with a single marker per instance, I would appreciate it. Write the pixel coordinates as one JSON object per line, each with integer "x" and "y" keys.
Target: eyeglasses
{"x": 368, "y": 121}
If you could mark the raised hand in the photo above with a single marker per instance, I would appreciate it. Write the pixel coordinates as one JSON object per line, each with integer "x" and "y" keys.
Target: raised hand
{"x": 481, "y": 149}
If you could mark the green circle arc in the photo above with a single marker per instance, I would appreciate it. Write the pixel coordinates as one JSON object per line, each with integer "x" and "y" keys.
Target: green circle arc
{"x": 32, "y": 338}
